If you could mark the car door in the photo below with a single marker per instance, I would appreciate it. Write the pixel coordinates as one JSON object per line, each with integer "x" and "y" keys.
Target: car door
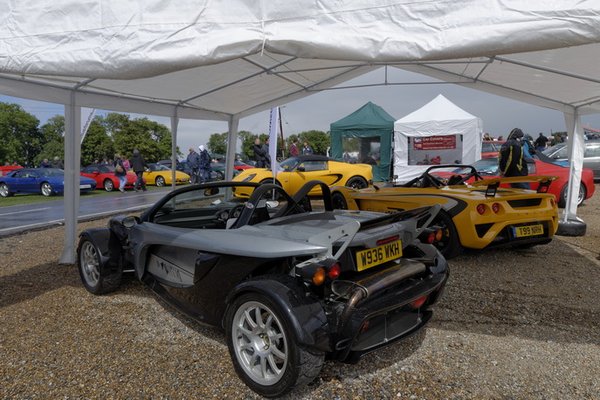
{"x": 27, "y": 181}
{"x": 310, "y": 170}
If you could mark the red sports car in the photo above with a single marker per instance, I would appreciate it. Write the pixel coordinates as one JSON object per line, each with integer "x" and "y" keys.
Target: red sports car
{"x": 488, "y": 168}
{"x": 104, "y": 175}
{"x": 5, "y": 169}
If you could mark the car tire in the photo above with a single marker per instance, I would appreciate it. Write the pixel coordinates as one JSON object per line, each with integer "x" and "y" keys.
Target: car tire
{"x": 357, "y": 182}
{"x": 109, "y": 185}
{"x": 4, "y": 191}
{"x": 160, "y": 181}
{"x": 449, "y": 246}
{"x": 92, "y": 276}
{"x": 219, "y": 176}
{"x": 265, "y": 354}
{"x": 562, "y": 202}
{"x": 46, "y": 189}
{"x": 339, "y": 201}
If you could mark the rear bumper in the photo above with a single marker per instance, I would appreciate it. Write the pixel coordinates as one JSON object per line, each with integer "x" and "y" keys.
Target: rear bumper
{"x": 388, "y": 316}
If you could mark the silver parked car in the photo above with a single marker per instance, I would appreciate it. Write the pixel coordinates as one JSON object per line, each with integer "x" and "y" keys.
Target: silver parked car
{"x": 591, "y": 157}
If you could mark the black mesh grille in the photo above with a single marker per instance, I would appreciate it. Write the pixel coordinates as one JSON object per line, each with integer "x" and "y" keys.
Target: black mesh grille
{"x": 482, "y": 229}
{"x": 524, "y": 203}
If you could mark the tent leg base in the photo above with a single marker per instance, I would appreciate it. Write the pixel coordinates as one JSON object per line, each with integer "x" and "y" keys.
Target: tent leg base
{"x": 571, "y": 227}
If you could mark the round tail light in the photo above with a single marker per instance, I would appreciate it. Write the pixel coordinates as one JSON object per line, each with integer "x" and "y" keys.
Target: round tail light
{"x": 481, "y": 209}
{"x": 495, "y": 208}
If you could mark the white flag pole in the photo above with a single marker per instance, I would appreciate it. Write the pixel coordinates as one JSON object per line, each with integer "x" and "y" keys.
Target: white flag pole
{"x": 273, "y": 140}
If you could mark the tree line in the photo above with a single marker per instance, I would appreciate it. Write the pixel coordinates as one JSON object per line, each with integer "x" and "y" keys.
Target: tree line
{"x": 27, "y": 143}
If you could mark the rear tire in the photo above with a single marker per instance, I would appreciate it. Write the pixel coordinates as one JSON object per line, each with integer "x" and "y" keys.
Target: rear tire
{"x": 357, "y": 182}
{"x": 339, "y": 201}
{"x": 91, "y": 272}
{"x": 160, "y": 181}
{"x": 109, "y": 185}
{"x": 562, "y": 202}
{"x": 263, "y": 347}
{"x": 450, "y": 245}
{"x": 46, "y": 189}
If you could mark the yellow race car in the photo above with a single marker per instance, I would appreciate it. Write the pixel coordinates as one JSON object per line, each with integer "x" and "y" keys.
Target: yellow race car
{"x": 160, "y": 175}
{"x": 476, "y": 216}
{"x": 296, "y": 171}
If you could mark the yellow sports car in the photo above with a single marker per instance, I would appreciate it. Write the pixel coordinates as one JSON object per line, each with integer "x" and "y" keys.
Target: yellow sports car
{"x": 160, "y": 175}
{"x": 477, "y": 215}
{"x": 296, "y": 171}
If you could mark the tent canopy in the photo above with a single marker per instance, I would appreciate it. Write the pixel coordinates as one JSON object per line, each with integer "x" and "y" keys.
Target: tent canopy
{"x": 418, "y": 134}
{"x": 227, "y": 60}
{"x": 370, "y": 125}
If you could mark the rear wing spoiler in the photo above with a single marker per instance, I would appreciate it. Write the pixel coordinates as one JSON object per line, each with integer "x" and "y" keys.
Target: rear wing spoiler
{"x": 491, "y": 185}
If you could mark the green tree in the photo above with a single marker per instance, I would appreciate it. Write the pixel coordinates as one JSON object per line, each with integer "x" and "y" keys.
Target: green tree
{"x": 53, "y": 132}
{"x": 20, "y": 136}
{"x": 151, "y": 138}
{"x": 247, "y": 139}
{"x": 217, "y": 143}
{"x": 97, "y": 144}
{"x": 318, "y": 140}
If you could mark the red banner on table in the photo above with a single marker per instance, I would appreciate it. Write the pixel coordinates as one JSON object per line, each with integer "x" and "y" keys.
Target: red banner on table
{"x": 435, "y": 143}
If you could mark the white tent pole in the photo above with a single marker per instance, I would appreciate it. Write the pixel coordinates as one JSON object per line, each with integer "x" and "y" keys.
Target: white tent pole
{"x": 575, "y": 148}
{"x": 233, "y": 123}
{"x": 71, "y": 194}
{"x": 174, "y": 126}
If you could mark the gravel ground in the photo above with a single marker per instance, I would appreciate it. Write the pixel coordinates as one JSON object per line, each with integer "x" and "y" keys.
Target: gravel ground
{"x": 511, "y": 325}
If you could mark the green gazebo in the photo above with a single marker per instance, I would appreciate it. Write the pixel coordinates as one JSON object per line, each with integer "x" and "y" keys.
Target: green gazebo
{"x": 365, "y": 136}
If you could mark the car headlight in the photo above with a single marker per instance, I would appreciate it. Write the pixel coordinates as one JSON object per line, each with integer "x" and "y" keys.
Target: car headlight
{"x": 249, "y": 178}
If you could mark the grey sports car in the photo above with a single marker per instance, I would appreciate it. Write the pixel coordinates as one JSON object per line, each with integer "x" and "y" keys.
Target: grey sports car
{"x": 289, "y": 285}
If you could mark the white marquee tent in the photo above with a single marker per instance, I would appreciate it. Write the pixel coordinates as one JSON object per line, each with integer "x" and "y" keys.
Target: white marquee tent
{"x": 440, "y": 118}
{"x": 226, "y": 60}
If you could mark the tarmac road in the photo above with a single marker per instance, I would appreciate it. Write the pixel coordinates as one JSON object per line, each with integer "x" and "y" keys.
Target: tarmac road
{"x": 21, "y": 218}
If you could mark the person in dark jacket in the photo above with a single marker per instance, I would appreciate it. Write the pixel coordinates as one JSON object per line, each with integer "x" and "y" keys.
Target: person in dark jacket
{"x": 138, "y": 164}
{"x": 204, "y": 167}
{"x": 511, "y": 158}
{"x": 193, "y": 160}
{"x": 120, "y": 172}
{"x": 259, "y": 154}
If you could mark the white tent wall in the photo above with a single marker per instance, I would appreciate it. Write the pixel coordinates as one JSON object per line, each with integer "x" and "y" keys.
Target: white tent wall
{"x": 226, "y": 60}
{"x": 439, "y": 117}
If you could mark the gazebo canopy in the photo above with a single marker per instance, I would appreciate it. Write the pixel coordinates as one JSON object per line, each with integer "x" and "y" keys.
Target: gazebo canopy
{"x": 227, "y": 60}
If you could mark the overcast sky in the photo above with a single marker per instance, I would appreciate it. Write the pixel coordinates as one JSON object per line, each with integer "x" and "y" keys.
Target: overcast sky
{"x": 499, "y": 115}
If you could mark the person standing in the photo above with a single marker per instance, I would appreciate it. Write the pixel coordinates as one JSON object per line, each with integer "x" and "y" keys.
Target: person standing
{"x": 259, "y": 154}
{"x": 541, "y": 142}
{"x": 511, "y": 158}
{"x": 306, "y": 149}
{"x": 193, "y": 160}
{"x": 294, "y": 151}
{"x": 266, "y": 150}
{"x": 204, "y": 165}
{"x": 120, "y": 172}
{"x": 138, "y": 164}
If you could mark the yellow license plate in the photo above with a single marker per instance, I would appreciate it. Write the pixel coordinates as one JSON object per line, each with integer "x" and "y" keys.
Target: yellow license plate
{"x": 529, "y": 230}
{"x": 378, "y": 255}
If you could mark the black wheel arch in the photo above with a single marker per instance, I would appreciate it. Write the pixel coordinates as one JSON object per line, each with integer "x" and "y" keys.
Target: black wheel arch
{"x": 306, "y": 316}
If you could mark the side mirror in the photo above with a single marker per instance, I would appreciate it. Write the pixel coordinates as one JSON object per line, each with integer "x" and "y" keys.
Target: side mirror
{"x": 301, "y": 169}
{"x": 129, "y": 222}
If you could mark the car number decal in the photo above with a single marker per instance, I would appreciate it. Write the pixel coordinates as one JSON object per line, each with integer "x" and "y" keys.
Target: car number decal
{"x": 528, "y": 230}
{"x": 378, "y": 255}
